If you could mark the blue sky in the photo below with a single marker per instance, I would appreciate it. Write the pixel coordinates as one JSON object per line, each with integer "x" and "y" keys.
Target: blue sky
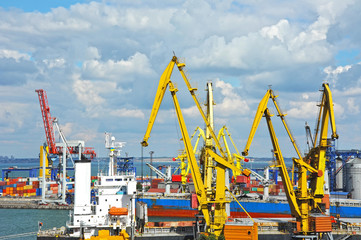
{"x": 100, "y": 63}
{"x": 42, "y": 6}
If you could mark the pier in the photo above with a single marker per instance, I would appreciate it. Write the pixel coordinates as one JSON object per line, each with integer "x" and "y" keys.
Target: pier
{"x": 29, "y": 203}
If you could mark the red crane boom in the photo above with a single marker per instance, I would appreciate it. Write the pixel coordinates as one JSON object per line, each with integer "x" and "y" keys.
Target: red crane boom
{"x": 48, "y": 121}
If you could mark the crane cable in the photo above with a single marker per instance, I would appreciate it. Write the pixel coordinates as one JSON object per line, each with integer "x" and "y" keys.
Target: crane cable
{"x": 240, "y": 204}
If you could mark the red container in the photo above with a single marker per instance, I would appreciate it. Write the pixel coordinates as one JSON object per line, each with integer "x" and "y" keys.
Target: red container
{"x": 194, "y": 201}
{"x": 241, "y": 179}
{"x": 176, "y": 178}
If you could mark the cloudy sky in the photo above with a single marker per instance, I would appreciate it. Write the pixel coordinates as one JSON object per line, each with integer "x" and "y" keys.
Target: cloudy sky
{"x": 100, "y": 63}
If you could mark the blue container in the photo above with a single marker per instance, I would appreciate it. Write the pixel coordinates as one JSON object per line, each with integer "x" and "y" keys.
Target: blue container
{"x": 38, "y": 192}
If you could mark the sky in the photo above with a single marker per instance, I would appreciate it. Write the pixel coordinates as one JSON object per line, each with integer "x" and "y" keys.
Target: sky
{"x": 100, "y": 63}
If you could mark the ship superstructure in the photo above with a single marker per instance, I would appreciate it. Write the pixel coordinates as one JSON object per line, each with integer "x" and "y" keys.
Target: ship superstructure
{"x": 109, "y": 212}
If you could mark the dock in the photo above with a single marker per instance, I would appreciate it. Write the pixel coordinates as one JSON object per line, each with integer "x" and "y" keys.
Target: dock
{"x": 29, "y": 203}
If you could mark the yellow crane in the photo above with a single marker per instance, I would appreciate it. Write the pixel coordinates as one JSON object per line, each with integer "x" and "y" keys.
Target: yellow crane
{"x": 302, "y": 200}
{"x": 317, "y": 154}
{"x": 211, "y": 196}
{"x": 184, "y": 167}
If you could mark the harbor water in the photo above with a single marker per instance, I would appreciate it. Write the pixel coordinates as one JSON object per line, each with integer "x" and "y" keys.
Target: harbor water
{"x": 18, "y": 221}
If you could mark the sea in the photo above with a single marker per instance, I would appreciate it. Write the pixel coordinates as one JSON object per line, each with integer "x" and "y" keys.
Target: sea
{"x": 22, "y": 221}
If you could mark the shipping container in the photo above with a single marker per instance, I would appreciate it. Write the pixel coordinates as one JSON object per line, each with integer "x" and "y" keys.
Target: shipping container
{"x": 176, "y": 178}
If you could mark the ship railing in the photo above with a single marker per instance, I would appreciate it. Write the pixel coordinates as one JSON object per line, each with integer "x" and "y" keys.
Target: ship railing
{"x": 52, "y": 232}
{"x": 346, "y": 228}
{"x": 266, "y": 227}
{"x": 167, "y": 230}
{"x": 346, "y": 202}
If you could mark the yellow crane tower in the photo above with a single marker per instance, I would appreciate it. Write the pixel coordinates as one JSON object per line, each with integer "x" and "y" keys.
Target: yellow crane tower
{"x": 211, "y": 195}
{"x": 302, "y": 200}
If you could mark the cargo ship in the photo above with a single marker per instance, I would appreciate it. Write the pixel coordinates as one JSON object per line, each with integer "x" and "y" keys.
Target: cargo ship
{"x": 104, "y": 211}
{"x": 261, "y": 201}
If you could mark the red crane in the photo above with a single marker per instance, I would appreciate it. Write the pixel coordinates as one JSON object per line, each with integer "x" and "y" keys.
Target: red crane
{"x": 48, "y": 121}
{"x": 49, "y": 132}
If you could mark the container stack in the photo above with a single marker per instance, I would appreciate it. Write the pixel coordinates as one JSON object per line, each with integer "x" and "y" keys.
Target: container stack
{"x": 248, "y": 185}
{"x": 20, "y": 187}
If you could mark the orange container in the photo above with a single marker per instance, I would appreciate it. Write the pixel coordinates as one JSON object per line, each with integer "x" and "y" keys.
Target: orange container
{"x": 320, "y": 224}
{"x": 233, "y": 232}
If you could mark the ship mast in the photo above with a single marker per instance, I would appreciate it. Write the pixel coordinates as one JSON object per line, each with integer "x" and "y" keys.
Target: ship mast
{"x": 114, "y": 152}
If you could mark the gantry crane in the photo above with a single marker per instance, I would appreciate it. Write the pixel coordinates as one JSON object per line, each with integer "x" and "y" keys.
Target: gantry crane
{"x": 303, "y": 200}
{"x": 211, "y": 195}
{"x": 62, "y": 150}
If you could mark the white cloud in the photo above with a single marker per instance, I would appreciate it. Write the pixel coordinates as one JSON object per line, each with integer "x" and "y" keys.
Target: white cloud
{"x": 309, "y": 110}
{"x": 129, "y": 113}
{"x": 117, "y": 70}
{"x": 333, "y": 73}
{"x": 305, "y": 96}
{"x": 352, "y": 107}
{"x": 353, "y": 91}
{"x": 232, "y": 103}
{"x": 12, "y": 116}
{"x": 87, "y": 135}
{"x": 87, "y": 93}
{"x": 92, "y": 53}
{"x": 192, "y": 112}
{"x": 278, "y": 31}
{"x": 6, "y": 53}
{"x": 302, "y": 110}
{"x": 52, "y": 63}
{"x": 66, "y": 128}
